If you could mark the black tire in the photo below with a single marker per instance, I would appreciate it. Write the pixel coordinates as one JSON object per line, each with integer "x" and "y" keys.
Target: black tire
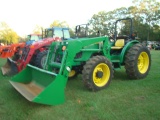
{"x": 40, "y": 59}
{"x": 98, "y": 69}
{"x": 137, "y": 62}
{"x": 17, "y": 54}
{"x": 15, "y": 57}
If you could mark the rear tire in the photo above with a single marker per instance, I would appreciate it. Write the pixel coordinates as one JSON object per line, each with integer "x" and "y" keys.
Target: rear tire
{"x": 40, "y": 59}
{"x": 97, "y": 73}
{"x": 137, "y": 62}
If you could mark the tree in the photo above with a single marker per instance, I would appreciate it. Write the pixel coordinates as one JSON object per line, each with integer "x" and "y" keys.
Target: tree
{"x": 145, "y": 15}
{"x": 58, "y": 23}
{"x": 7, "y": 35}
{"x": 104, "y": 21}
{"x": 148, "y": 10}
{"x": 37, "y": 29}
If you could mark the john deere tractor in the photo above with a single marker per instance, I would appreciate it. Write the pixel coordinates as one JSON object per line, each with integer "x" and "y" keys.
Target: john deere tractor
{"x": 95, "y": 58}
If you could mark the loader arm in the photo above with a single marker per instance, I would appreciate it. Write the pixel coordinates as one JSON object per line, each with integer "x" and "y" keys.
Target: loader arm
{"x": 31, "y": 51}
{"x": 72, "y": 47}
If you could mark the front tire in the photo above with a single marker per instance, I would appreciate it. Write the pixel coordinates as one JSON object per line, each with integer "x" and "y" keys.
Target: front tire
{"x": 72, "y": 74}
{"x": 137, "y": 62}
{"x": 40, "y": 59}
{"x": 97, "y": 73}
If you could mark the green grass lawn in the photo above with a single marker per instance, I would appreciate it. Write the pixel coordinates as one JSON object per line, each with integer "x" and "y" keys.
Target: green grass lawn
{"x": 124, "y": 99}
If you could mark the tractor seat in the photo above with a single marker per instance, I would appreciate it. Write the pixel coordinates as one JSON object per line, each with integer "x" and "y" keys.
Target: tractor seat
{"x": 118, "y": 44}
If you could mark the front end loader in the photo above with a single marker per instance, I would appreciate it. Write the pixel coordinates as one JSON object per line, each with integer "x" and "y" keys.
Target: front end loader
{"x": 95, "y": 58}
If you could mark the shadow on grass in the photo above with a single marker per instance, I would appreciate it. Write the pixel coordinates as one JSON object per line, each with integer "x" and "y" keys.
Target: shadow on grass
{"x": 120, "y": 75}
{"x": 76, "y": 84}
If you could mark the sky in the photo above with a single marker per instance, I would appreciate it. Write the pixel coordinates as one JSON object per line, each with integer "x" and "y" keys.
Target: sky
{"x": 23, "y": 15}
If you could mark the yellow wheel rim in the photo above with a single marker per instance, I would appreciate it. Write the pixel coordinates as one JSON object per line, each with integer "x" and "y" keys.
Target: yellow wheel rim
{"x": 101, "y": 81}
{"x": 143, "y": 62}
{"x": 72, "y": 73}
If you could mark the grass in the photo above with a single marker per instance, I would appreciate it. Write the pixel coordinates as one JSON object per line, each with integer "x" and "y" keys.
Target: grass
{"x": 124, "y": 99}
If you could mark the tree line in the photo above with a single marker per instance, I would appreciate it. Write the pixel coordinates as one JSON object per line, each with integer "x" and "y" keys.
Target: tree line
{"x": 145, "y": 15}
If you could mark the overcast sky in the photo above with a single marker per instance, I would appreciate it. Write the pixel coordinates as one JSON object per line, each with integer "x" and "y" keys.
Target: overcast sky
{"x": 23, "y": 15}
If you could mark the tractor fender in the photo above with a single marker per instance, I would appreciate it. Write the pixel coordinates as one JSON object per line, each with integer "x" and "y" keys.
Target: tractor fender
{"x": 126, "y": 48}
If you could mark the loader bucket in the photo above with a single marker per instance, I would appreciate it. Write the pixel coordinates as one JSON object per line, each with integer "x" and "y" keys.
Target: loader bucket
{"x": 40, "y": 86}
{"x": 10, "y": 68}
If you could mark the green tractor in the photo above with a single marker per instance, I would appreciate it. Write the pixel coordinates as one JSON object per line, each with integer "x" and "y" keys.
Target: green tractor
{"x": 94, "y": 58}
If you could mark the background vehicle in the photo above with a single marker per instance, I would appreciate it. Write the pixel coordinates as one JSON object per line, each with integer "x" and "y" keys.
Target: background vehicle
{"x": 34, "y": 52}
{"x": 95, "y": 58}
{"x": 31, "y": 38}
{"x": 157, "y": 47}
{"x": 13, "y": 49}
